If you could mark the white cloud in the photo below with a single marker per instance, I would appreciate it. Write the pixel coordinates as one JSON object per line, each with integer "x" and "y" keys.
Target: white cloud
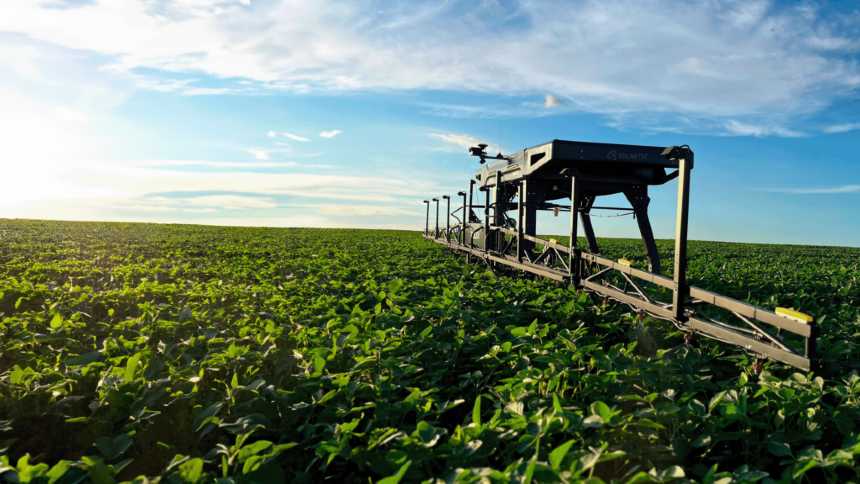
{"x": 199, "y": 203}
{"x": 330, "y": 133}
{"x": 833, "y": 42}
{"x": 53, "y": 120}
{"x": 494, "y": 110}
{"x": 156, "y": 191}
{"x": 367, "y": 211}
{"x": 550, "y": 101}
{"x": 463, "y": 141}
{"x": 159, "y": 85}
{"x": 294, "y": 137}
{"x": 47, "y": 85}
{"x": 745, "y": 13}
{"x": 841, "y": 128}
{"x": 286, "y": 134}
{"x": 819, "y": 190}
{"x": 282, "y": 220}
{"x": 737, "y": 128}
{"x": 259, "y": 153}
{"x": 208, "y": 91}
{"x": 724, "y": 60}
{"x": 51, "y": 185}
{"x": 231, "y": 202}
{"x": 220, "y": 164}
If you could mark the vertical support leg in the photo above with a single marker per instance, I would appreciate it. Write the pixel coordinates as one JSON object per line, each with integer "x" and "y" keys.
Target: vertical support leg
{"x": 650, "y": 244}
{"x": 638, "y": 198}
{"x": 585, "y": 216}
{"x": 682, "y": 290}
{"x": 427, "y": 218}
{"x": 468, "y": 216}
{"x": 574, "y": 256}
{"x": 448, "y": 218}
{"x": 486, "y": 218}
{"x": 499, "y": 212}
{"x": 529, "y": 214}
{"x": 520, "y": 192}
{"x": 436, "y": 232}
{"x": 809, "y": 345}
{"x": 462, "y": 238}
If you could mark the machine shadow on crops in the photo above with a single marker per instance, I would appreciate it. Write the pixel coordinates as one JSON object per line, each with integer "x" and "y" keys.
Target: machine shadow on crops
{"x": 569, "y": 176}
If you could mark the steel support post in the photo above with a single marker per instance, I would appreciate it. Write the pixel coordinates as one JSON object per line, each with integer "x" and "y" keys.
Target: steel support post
{"x": 809, "y": 345}
{"x": 463, "y": 219}
{"x": 436, "y": 232}
{"x": 529, "y": 214}
{"x": 498, "y": 212}
{"x": 468, "y": 215}
{"x": 574, "y": 255}
{"x": 448, "y": 218}
{"x": 427, "y": 218}
{"x": 486, "y": 217}
{"x": 682, "y": 290}
{"x": 520, "y": 190}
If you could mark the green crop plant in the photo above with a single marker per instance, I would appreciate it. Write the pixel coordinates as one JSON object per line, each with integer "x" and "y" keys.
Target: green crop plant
{"x": 133, "y": 352}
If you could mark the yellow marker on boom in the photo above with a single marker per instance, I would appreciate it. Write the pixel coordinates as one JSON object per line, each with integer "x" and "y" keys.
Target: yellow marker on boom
{"x": 795, "y": 315}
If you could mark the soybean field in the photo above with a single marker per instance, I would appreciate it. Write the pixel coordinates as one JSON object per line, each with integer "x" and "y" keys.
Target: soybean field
{"x": 180, "y": 353}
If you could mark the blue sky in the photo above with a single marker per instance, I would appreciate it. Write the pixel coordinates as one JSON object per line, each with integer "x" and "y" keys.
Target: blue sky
{"x": 348, "y": 114}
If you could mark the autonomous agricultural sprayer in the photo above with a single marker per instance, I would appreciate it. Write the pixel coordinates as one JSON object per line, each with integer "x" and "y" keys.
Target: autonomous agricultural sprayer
{"x": 568, "y": 177}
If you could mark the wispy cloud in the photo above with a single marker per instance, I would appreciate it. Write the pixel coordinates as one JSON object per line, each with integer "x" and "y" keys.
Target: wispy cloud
{"x": 531, "y": 107}
{"x": 133, "y": 180}
{"x": 459, "y": 140}
{"x": 817, "y": 190}
{"x": 367, "y": 210}
{"x": 207, "y": 203}
{"x": 724, "y": 60}
{"x": 217, "y": 164}
{"x": 463, "y": 142}
{"x": 287, "y": 134}
{"x": 738, "y": 128}
{"x": 294, "y": 137}
{"x": 841, "y": 128}
{"x": 231, "y": 202}
{"x": 330, "y": 133}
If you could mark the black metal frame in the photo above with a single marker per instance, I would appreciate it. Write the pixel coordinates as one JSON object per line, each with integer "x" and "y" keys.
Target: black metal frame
{"x": 756, "y": 330}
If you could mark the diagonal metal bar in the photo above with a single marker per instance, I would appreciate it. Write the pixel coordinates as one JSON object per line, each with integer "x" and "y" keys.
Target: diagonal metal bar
{"x": 762, "y": 332}
{"x": 542, "y": 255}
{"x": 598, "y": 274}
{"x": 635, "y": 287}
{"x": 561, "y": 259}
